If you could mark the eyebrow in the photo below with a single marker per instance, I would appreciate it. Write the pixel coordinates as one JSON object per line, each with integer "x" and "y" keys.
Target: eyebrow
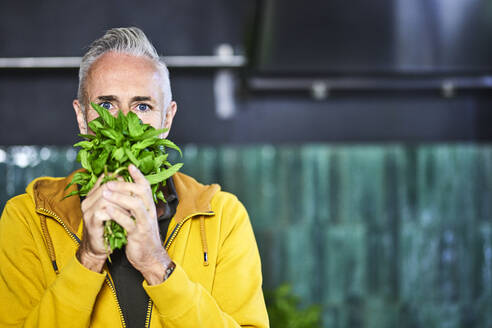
{"x": 107, "y": 98}
{"x": 141, "y": 98}
{"x": 115, "y": 98}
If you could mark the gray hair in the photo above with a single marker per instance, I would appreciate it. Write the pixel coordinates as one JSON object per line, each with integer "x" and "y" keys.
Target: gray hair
{"x": 127, "y": 40}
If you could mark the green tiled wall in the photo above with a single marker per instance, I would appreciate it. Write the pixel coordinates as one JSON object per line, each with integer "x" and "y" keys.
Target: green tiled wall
{"x": 381, "y": 236}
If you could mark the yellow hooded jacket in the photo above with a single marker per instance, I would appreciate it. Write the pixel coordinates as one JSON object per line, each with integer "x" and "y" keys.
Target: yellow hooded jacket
{"x": 217, "y": 281}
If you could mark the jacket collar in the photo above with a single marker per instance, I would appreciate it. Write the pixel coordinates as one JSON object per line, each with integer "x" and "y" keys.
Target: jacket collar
{"x": 194, "y": 197}
{"x": 48, "y": 193}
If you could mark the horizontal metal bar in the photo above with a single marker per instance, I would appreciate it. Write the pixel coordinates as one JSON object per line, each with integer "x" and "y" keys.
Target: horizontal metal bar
{"x": 205, "y": 61}
{"x": 171, "y": 61}
{"x": 369, "y": 83}
{"x": 40, "y": 62}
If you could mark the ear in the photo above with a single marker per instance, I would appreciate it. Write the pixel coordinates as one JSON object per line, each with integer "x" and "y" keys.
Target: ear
{"x": 81, "y": 121}
{"x": 168, "y": 121}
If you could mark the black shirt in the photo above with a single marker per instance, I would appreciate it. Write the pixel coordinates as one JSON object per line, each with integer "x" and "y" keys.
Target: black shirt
{"x": 132, "y": 298}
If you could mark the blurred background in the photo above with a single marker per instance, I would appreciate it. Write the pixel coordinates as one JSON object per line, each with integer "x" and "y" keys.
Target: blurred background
{"x": 356, "y": 133}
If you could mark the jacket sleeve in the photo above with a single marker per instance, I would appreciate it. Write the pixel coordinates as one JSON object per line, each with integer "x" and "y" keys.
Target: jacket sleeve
{"x": 236, "y": 299}
{"x": 26, "y": 299}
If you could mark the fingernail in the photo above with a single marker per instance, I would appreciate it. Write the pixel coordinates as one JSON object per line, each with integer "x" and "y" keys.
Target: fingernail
{"x": 110, "y": 185}
{"x": 106, "y": 193}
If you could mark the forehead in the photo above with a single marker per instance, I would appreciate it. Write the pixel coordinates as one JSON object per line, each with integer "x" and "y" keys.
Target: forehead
{"x": 123, "y": 74}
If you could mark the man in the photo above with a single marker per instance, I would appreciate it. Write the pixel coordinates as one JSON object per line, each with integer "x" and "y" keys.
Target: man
{"x": 189, "y": 262}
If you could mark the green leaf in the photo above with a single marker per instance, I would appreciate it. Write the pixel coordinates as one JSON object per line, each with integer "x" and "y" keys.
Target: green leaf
{"x": 114, "y": 235}
{"x": 144, "y": 144}
{"x": 84, "y": 160}
{"x": 87, "y": 136}
{"x": 110, "y": 133}
{"x": 132, "y": 157}
{"x": 93, "y": 179}
{"x": 107, "y": 143}
{"x": 118, "y": 154}
{"x": 135, "y": 127}
{"x": 146, "y": 163}
{"x": 154, "y": 188}
{"x": 159, "y": 161}
{"x": 160, "y": 196}
{"x": 121, "y": 123}
{"x": 169, "y": 144}
{"x": 72, "y": 193}
{"x": 84, "y": 144}
{"x": 163, "y": 175}
{"x": 152, "y": 133}
{"x": 106, "y": 116}
{"x": 85, "y": 189}
{"x": 100, "y": 162}
{"x": 79, "y": 178}
{"x": 95, "y": 125}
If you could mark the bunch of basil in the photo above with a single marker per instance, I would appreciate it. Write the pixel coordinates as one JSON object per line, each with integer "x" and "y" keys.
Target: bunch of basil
{"x": 118, "y": 142}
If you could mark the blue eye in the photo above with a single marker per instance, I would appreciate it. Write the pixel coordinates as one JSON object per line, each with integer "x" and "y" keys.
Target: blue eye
{"x": 106, "y": 105}
{"x": 143, "y": 107}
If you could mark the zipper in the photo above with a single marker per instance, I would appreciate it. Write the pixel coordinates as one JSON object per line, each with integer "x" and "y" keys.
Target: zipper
{"x": 149, "y": 313}
{"x": 108, "y": 280}
{"x": 166, "y": 246}
{"x": 77, "y": 241}
{"x": 57, "y": 218}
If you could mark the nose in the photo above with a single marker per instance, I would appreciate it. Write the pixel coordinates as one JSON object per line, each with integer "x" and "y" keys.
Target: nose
{"x": 125, "y": 109}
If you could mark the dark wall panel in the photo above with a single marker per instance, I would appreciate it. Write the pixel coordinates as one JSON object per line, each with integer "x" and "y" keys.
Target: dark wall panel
{"x": 36, "y": 108}
{"x": 65, "y": 28}
{"x": 35, "y": 105}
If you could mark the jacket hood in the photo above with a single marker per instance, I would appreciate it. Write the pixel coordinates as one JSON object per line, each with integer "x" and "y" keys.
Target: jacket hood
{"x": 48, "y": 192}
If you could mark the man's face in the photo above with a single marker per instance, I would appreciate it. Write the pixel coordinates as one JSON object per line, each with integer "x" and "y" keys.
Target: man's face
{"x": 128, "y": 83}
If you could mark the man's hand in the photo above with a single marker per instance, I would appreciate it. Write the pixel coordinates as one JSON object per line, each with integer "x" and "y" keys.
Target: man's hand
{"x": 92, "y": 252}
{"x": 131, "y": 205}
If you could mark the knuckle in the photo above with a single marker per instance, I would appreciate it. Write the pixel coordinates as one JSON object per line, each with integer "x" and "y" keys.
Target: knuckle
{"x": 140, "y": 189}
{"x": 109, "y": 209}
{"x": 99, "y": 205}
{"x": 134, "y": 202}
{"x": 99, "y": 215}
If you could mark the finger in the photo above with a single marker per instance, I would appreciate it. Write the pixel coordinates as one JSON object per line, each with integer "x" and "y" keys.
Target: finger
{"x": 98, "y": 203}
{"x": 139, "y": 187}
{"x": 133, "y": 190}
{"x": 95, "y": 192}
{"x": 132, "y": 204}
{"x": 97, "y": 221}
{"x": 93, "y": 195}
{"x": 91, "y": 199}
{"x": 122, "y": 218}
{"x": 137, "y": 176}
{"x": 129, "y": 188}
{"x": 95, "y": 227}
